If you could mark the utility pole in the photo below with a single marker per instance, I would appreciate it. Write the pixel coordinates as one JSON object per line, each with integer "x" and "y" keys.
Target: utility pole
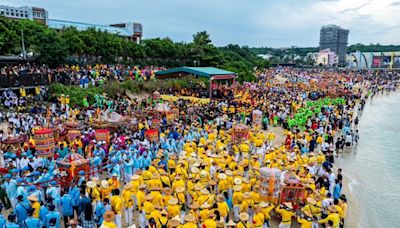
{"x": 23, "y": 44}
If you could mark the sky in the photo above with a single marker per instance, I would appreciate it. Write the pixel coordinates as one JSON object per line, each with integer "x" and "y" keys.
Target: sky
{"x": 256, "y": 23}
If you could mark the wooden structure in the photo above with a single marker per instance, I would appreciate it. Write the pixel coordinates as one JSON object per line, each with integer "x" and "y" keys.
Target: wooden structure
{"x": 44, "y": 142}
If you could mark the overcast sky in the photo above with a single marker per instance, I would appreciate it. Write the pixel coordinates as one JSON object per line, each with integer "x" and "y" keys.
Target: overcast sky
{"x": 272, "y": 23}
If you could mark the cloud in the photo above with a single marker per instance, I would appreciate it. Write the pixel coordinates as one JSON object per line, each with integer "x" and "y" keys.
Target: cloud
{"x": 355, "y": 8}
{"x": 394, "y": 4}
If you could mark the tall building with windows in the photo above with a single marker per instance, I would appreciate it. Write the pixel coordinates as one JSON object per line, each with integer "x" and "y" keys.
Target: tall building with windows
{"x": 129, "y": 30}
{"x": 334, "y": 38}
{"x": 24, "y": 12}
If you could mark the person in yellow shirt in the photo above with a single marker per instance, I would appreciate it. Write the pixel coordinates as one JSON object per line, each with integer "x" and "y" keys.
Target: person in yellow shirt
{"x": 109, "y": 217}
{"x": 311, "y": 206}
{"x": 148, "y": 207}
{"x": 114, "y": 182}
{"x": 333, "y": 217}
{"x": 127, "y": 197}
{"x": 306, "y": 220}
{"x": 271, "y": 138}
{"x": 286, "y": 213}
{"x": 237, "y": 199}
{"x": 258, "y": 218}
{"x": 173, "y": 208}
{"x": 266, "y": 209}
{"x": 35, "y": 205}
{"x": 190, "y": 221}
{"x": 163, "y": 220}
{"x": 22, "y": 92}
{"x": 116, "y": 205}
{"x": 243, "y": 223}
{"x": 343, "y": 205}
{"x": 223, "y": 207}
{"x": 210, "y": 221}
{"x": 105, "y": 190}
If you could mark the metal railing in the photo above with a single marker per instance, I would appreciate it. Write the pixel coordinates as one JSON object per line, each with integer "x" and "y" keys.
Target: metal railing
{"x": 23, "y": 79}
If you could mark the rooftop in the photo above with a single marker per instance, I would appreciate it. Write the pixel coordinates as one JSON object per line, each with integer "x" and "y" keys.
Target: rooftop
{"x": 60, "y": 24}
{"x": 199, "y": 71}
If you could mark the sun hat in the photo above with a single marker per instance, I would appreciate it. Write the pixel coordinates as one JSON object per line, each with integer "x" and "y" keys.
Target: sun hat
{"x": 135, "y": 177}
{"x": 237, "y": 181}
{"x": 194, "y": 205}
{"x": 308, "y": 214}
{"x": 264, "y": 204}
{"x": 96, "y": 180}
{"x": 222, "y": 176}
{"x": 173, "y": 201}
{"x": 104, "y": 184}
{"x": 311, "y": 201}
{"x": 109, "y": 216}
{"x": 90, "y": 184}
{"x": 288, "y": 205}
{"x": 128, "y": 186}
{"x": 237, "y": 188}
{"x": 205, "y": 205}
{"x": 205, "y": 191}
{"x": 180, "y": 189}
{"x": 194, "y": 170}
{"x": 231, "y": 223}
{"x": 332, "y": 209}
{"x": 148, "y": 197}
{"x": 246, "y": 195}
{"x": 32, "y": 198}
{"x": 190, "y": 218}
{"x": 244, "y": 217}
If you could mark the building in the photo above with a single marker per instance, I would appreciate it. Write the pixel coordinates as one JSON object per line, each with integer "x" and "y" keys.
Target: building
{"x": 334, "y": 38}
{"x": 130, "y": 30}
{"x": 327, "y": 58}
{"x": 374, "y": 60}
{"x": 25, "y": 12}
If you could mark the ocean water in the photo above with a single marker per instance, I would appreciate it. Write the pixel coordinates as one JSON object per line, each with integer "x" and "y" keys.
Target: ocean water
{"x": 373, "y": 166}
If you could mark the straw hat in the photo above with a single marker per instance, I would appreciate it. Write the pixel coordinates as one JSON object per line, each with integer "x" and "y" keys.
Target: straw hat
{"x": 237, "y": 181}
{"x": 135, "y": 177}
{"x": 198, "y": 187}
{"x": 203, "y": 173}
{"x": 246, "y": 195}
{"x": 32, "y": 198}
{"x": 190, "y": 218}
{"x": 128, "y": 186}
{"x": 205, "y": 205}
{"x": 96, "y": 180}
{"x": 288, "y": 205}
{"x": 109, "y": 216}
{"x": 204, "y": 191}
{"x": 264, "y": 204}
{"x": 231, "y": 223}
{"x": 174, "y": 222}
{"x": 173, "y": 201}
{"x": 332, "y": 209}
{"x": 155, "y": 176}
{"x": 311, "y": 201}
{"x": 194, "y": 205}
{"x": 222, "y": 176}
{"x": 220, "y": 198}
{"x": 245, "y": 180}
{"x": 308, "y": 214}
{"x": 244, "y": 217}
{"x": 196, "y": 164}
{"x": 148, "y": 197}
{"x": 90, "y": 184}
{"x": 142, "y": 186}
{"x": 164, "y": 212}
{"x": 180, "y": 189}
{"x": 237, "y": 188}
{"x": 104, "y": 184}
{"x": 229, "y": 172}
{"x": 194, "y": 170}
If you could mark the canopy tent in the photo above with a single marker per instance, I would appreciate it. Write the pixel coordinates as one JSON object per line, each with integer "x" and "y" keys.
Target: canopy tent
{"x": 211, "y": 73}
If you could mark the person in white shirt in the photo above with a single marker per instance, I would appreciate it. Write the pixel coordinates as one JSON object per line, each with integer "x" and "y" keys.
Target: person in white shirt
{"x": 24, "y": 161}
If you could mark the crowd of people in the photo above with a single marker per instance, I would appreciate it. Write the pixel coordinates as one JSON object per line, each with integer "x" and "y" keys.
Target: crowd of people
{"x": 200, "y": 170}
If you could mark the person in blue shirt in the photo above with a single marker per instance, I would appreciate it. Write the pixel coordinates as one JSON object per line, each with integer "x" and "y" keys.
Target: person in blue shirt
{"x": 67, "y": 207}
{"x": 10, "y": 185}
{"x": 99, "y": 211}
{"x": 52, "y": 217}
{"x": 81, "y": 177}
{"x": 11, "y": 221}
{"x": 21, "y": 209}
{"x": 3, "y": 221}
{"x": 128, "y": 168}
{"x": 337, "y": 190}
{"x": 30, "y": 221}
{"x": 45, "y": 177}
{"x": 42, "y": 214}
